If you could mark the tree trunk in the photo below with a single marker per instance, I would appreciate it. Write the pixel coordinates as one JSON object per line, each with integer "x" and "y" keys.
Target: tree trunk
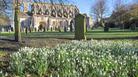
{"x": 17, "y": 26}
{"x": 30, "y": 29}
{"x": 26, "y": 31}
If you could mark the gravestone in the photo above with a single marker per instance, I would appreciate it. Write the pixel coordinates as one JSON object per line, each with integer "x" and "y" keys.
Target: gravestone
{"x": 80, "y": 27}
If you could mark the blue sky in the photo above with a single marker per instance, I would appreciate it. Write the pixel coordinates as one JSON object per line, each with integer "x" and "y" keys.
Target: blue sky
{"x": 85, "y": 5}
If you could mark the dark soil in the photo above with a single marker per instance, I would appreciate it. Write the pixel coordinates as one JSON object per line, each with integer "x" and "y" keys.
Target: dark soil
{"x": 12, "y": 46}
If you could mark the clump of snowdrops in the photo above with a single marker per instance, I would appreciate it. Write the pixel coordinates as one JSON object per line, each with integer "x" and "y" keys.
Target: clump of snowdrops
{"x": 78, "y": 59}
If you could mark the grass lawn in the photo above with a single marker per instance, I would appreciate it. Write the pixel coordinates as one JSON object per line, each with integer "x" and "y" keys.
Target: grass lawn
{"x": 114, "y": 33}
{"x": 90, "y": 34}
{"x": 95, "y": 34}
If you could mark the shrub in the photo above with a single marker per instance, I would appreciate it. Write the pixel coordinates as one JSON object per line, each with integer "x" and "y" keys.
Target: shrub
{"x": 133, "y": 27}
{"x": 106, "y": 29}
{"x": 78, "y": 59}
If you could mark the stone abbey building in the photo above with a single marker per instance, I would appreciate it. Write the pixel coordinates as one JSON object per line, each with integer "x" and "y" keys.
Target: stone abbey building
{"x": 48, "y": 16}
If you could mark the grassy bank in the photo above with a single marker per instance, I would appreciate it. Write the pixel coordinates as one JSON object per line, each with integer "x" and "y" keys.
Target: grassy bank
{"x": 89, "y": 34}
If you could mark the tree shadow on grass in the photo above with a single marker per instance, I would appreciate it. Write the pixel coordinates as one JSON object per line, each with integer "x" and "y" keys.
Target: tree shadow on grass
{"x": 11, "y": 40}
{"x": 88, "y": 38}
{"x": 118, "y": 38}
{"x": 12, "y": 46}
{"x": 8, "y": 44}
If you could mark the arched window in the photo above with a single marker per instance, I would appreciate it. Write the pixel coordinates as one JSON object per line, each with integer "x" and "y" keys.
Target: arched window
{"x": 59, "y": 13}
{"x": 65, "y": 13}
{"x": 70, "y": 14}
{"x": 37, "y": 9}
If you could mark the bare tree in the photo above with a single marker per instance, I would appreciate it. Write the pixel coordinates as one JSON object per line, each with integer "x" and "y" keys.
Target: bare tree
{"x": 124, "y": 13}
{"x": 120, "y": 10}
{"x": 136, "y": 1}
{"x": 119, "y": 7}
{"x": 99, "y": 10}
{"x": 5, "y": 6}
